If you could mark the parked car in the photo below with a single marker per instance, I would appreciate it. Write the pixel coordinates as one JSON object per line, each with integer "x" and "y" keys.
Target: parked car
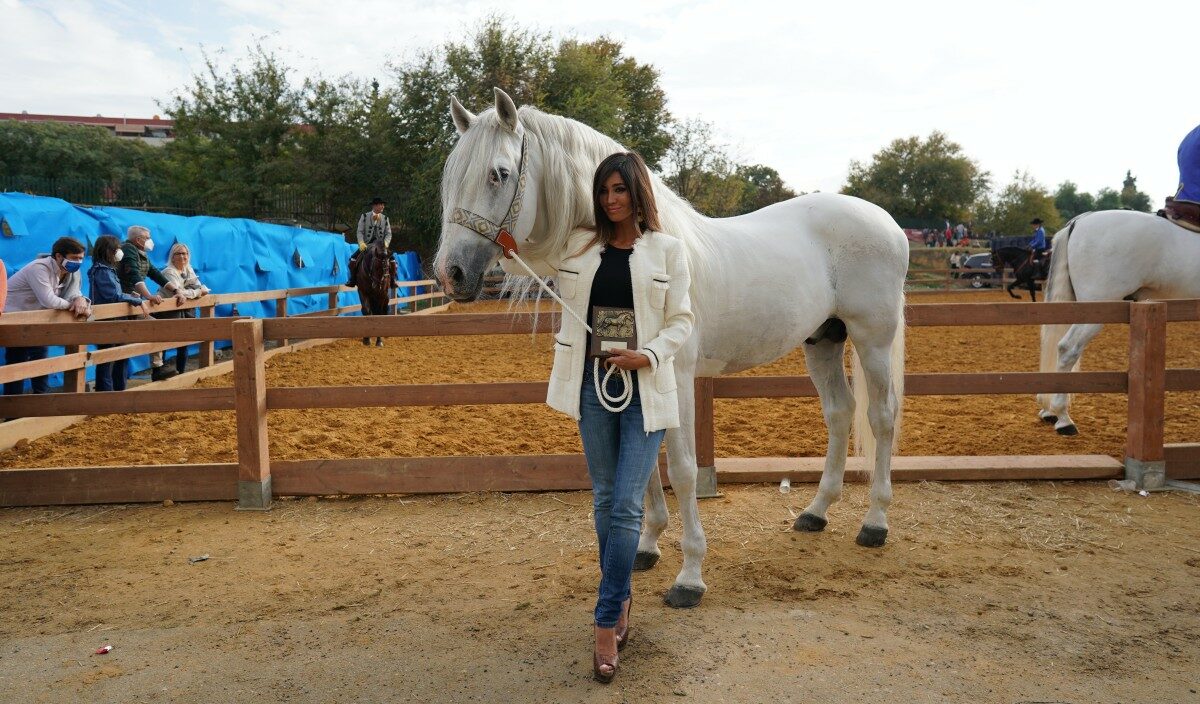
{"x": 970, "y": 270}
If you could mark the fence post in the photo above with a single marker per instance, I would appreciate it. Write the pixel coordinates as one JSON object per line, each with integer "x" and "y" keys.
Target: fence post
{"x": 706, "y": 476}
{"x": 250, "y": 392}
{"x": 281, "y": 311}
{"x": 208, "y": 347}
{"x": 75, "y": 380}
{"x": 1145, "y": 463}
{"x": 333, "y": 299}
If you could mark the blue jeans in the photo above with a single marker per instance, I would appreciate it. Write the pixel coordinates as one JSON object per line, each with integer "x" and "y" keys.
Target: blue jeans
{"x": 16, "y": 355}
{"x": 111, "y": 376}
{"x": 620, "y": 457}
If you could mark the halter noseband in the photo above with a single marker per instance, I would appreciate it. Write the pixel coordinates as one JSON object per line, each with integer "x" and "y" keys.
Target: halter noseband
{"x": 500, "y": 234}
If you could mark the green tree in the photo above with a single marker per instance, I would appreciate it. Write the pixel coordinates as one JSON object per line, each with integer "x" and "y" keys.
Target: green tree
{"x": 701, "y": 170}
{"x": 55, "y": 150}
{"x": 1108, "y": 199}
{"x": 1131, "y": 197}
{"x": 1071, "y": 202}
{"x": 234, "y": 134}
{"x": 926, "y": 179}
{"x": 763, "y": 187}
{"x": 1011, "y": 210}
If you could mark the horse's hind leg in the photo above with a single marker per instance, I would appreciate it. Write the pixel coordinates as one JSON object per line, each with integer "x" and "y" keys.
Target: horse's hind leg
{"x": 689, "y": 586}
{"x": 874, "y": 352}
{"x": 655, "y": 522}
{"x": 1070, "y": 349}
{"x": 825, "y": 367}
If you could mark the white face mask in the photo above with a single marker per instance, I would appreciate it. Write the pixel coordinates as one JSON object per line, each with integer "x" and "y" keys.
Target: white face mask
{"x": 119, "y": 255}
{"x": 149, "y": 246}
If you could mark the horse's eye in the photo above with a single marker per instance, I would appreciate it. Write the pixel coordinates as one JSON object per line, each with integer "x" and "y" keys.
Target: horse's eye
{"x": 497, "y": 176}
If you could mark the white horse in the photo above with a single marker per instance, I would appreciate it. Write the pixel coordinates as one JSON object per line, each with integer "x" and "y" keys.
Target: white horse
{"x": 1110, "y": 255}
{"x": 812, "y": 271}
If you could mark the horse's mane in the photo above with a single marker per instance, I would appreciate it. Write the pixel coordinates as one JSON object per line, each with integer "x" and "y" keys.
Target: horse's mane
{"x": 570, "y": 153}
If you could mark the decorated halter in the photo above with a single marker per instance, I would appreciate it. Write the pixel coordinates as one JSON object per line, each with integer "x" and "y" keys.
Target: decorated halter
{"x": 500, "y": 234}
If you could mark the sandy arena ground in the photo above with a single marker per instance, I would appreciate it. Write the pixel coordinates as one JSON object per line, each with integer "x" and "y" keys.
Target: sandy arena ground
{"x": 1014, "y": 592}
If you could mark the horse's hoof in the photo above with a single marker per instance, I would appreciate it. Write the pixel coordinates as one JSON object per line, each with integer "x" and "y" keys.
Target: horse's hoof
{"x": 1067, "y": 430}
{"x": 367, "y": 341}
{"x": 644, "y": 561}
{"x": 871, "y": 537}
{"x": 678, "y": 597}
{"x": 1050, "y": 419}
{"x": 809, "y": 523}
{"x": 379, "y": 343}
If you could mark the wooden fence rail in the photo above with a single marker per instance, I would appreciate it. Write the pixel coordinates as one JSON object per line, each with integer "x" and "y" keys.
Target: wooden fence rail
{"x": 144, "y": 336}
{"x": 1146, "y": 382}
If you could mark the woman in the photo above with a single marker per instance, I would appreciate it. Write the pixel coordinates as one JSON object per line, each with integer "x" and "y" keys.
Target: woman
{"x": 625, "y": 264}
{"x": 106, "y": 288}
{"x": 182, "y": 277}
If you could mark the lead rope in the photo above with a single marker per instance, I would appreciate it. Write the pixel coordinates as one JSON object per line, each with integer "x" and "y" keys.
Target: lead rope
{"x": 626, "y": 395}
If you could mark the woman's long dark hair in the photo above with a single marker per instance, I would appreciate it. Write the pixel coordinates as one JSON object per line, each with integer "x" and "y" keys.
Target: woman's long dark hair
{"x": 641, "y": 196}
{"x": 104, "y": 249}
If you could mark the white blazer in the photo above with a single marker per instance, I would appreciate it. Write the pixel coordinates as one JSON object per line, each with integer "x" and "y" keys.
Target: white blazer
{"x": 662, "y": 313}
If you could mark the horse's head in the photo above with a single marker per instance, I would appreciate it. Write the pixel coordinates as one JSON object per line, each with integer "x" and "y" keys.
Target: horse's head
{"x": 488, "y": 188}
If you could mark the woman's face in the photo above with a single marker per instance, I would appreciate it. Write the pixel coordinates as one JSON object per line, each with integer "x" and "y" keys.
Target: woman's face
{"x": 614, "y": 198}
{"x": 180, "y": 258}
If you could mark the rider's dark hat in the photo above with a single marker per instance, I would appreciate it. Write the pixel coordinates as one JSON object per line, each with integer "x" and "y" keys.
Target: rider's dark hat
{"x": 1035, "y": 221}
{"x": 377, "y": 201}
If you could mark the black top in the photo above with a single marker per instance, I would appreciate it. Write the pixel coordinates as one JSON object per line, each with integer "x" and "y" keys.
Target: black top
{"x": 613, "y": 286}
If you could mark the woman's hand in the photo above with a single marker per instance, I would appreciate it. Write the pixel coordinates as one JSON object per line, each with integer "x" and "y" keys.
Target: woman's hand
{"x": 627, "y": 359}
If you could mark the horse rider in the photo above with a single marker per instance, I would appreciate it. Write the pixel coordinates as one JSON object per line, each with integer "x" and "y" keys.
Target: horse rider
{"x": 1184, "y": 208}
{"x": 1037, "y": 245}
{"x": 373, "y": 225}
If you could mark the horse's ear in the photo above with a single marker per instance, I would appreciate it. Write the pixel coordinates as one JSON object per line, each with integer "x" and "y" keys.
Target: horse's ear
{"x": 506, "y": 109}
{"x": 462, "y": 117}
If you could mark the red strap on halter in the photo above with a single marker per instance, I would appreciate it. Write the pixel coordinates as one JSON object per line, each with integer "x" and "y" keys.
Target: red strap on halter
{"x": 506, "y": 242}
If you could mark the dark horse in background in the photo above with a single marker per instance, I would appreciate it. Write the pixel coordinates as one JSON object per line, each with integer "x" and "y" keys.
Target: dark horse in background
{"x": 1026, "y": 271}
{"x": 376, "y": 272}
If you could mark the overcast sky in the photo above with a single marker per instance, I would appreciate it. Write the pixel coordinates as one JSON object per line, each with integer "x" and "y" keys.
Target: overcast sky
{"x": 1078, "y": 91}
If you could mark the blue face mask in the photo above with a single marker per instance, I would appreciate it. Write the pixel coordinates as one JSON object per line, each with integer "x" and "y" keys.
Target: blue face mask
{"x": 71, "y": 265}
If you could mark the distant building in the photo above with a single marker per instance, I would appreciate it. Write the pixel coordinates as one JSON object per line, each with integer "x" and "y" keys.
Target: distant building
{"x": 152, "y": 130}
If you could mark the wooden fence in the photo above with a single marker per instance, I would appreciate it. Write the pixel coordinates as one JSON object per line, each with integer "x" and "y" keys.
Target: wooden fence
{"x": 77, "y": 358}
{"x": 255, "y": 478}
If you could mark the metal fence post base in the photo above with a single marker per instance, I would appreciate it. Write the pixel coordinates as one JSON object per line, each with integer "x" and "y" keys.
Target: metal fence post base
{"x": 254, "y": 496}
{"x": 1146, "y": 475}
{"x": 706, "y": 483}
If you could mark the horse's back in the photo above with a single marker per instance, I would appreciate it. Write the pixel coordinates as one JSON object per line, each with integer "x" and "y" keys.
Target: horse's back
{"x": 1113, "y": 254}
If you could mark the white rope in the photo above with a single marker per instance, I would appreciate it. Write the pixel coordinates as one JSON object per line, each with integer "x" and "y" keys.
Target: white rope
{"x": 621, "y": 401}
{"x": 625, "y": 397}
{"x": 546, "y": 288}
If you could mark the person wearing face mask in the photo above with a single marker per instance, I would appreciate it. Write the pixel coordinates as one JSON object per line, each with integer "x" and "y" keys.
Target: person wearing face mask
{"x": 134, "y": 269}
{"x": 106, "y": 288}
{"x": 48, "y": 282}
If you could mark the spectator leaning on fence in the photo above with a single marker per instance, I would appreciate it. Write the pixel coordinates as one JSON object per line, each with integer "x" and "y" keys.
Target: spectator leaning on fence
{"x": 106, "y": 288}
{"x": 187, "y": 286}
{"x": 46, "y": 283}
{"x": 134, "y": 269}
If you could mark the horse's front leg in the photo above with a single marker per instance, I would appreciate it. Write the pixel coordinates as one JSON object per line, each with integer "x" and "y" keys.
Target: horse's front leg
{"x": 654, "y": 524}
{"x": 689, "y": 586}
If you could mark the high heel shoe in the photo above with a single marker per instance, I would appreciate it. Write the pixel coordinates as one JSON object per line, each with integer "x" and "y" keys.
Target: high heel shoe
{"x": 623, "y": 635}
{"x": 604, "y": 667}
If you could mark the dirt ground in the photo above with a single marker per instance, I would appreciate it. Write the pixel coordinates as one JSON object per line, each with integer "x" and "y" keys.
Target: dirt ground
{"x": 1012, "y": 592}
{"x": 985, "y": 593}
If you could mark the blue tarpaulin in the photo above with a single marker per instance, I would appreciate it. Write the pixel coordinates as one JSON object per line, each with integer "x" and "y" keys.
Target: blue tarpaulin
{"x": 230, "y": 255}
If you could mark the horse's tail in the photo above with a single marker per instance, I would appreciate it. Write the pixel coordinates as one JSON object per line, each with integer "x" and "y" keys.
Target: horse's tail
{"x": 864, "y": 439}
{"x": 1058, "y": 289}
